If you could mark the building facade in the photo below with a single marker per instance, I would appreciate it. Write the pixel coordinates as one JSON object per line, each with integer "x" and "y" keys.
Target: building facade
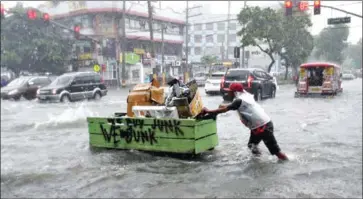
{"x": 101, "y": 21}
{"x": 209, "y": 35}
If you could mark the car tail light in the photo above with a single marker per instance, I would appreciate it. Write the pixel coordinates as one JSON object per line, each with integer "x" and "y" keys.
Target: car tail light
{"x": 38, "y": 91}
{"x": 54, "y": 91}
{"x": 222, "y": 82}
{"x": 249, "y": 81}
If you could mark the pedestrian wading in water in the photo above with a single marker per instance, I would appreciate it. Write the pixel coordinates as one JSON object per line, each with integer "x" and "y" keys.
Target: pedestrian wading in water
{"x": 254, "y": 117}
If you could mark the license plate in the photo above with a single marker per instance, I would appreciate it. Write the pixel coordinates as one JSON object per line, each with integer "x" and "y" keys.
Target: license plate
{"x": 42, "y": 97}
{"x": 315, "y": 89}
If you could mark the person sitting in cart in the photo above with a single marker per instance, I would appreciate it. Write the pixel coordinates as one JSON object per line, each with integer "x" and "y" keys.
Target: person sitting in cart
{"x": 254, "y": 117}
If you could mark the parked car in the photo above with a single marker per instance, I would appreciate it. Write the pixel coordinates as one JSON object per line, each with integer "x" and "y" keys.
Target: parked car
{"x": 348, "y": 76}
{"x": 200, "y": 78}
{"x": 73, "y": 86}
{"x": 212, "y": 84}
{"x": 24, "y": 86}
{"x": 254, "y": 80}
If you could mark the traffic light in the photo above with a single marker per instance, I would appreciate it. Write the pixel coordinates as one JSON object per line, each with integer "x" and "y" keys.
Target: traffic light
{"x": 317, "y": 7}
{"x": 288, "y": 7}
{"x": 32, "y": 14}
{"x": 2, "y": 11}
{"x": 77, "y": 30}
{"x": 46, "y": 18}
{"x": 236, "y": 52}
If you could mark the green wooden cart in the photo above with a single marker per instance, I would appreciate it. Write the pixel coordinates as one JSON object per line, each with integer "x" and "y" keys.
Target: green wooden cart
{"x": 185, "y": 136}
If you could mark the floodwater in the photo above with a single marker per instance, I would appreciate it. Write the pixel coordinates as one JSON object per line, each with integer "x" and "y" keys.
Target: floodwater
{"x": 45, "y": 153}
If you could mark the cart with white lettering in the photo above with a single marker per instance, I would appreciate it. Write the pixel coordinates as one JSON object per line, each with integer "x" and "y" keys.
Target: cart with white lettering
{"x": 172, "y": 135}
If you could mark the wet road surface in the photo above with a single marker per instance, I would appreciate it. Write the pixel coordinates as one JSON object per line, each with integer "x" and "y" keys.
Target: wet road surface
{"x": 45, "y": 153}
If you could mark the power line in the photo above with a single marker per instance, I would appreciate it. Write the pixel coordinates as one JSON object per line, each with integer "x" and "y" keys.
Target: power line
{"x": 348, "y": 4}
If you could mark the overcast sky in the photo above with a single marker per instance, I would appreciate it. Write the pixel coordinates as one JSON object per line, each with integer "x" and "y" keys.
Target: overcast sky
{"x": 221, "y": 7}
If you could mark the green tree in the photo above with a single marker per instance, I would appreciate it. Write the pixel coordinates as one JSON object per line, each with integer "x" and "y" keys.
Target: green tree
{"x": 261, "y": 26}
{"x": 331, "y": 42}
{"x": 30, "y": 45}
{"x": 209, "y": 60}
{"x": 297, "y": 42}
{"x": 354, "y": 52}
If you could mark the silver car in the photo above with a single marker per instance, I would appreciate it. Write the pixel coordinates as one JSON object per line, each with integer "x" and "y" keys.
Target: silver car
{"x": 200, "y": 78}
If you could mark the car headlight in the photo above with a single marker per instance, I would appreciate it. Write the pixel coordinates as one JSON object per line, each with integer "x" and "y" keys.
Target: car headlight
{"x": 54, "y": 91}
{"x": 38, "y": 91}
{"x": 13, "y": 92}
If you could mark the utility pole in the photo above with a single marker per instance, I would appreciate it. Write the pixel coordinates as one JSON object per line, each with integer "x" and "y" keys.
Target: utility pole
{"x": 163, "y": 28}
{"x": 243, "y": 48}
{"x": 228, "y": 16}
{"x": 187, "y": 40}
{"x": 150, "y": 21}
{"x": 123, "y": 45}
{"x": 187, "y": 35}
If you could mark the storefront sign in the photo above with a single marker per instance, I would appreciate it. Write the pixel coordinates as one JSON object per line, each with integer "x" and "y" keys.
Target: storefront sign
{"x": 76, "y": 5}
{"x": 131, "y": 58}
{"x": 139, "y": 51}
{"x": 85, "y": 56}
{"x": 96, "y": 68}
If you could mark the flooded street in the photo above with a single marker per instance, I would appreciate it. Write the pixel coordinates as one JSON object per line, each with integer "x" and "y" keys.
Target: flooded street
{"x": 45, "y": 153}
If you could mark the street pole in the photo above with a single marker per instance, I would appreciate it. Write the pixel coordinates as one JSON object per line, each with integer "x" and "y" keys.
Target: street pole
{"x": 243, "y": 48}
{"x": 187, "y": 36}
{"x": 187, "y": 40}
{"x": 162, "y": 48}
{"x": 150, "y": 21}
{"x": 123, "y": 45}
{"x": 228, "y": 16}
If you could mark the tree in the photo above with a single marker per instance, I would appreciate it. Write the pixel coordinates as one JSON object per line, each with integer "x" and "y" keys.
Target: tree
{"x": 354, "y": 52}
{"x": 331, "y": 43}
{"x": 208, "y": 60}
{"x": 297, "y": 42}
{"x": 261, "y": 26}
{"x": 30, "y": 45}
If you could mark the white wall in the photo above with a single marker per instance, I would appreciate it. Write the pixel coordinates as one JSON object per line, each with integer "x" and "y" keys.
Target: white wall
{"x": 70, "y": 6}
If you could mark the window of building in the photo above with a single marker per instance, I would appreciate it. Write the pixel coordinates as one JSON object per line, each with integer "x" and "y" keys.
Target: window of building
{"x": 198, "y": 27}
{"x": 232, "y": 26}
{"x": 197, "y": 50}
{"x": 134, "y": 24}
{"x": 221, "y": 26}
{"x": 220, "y": 38}
{"x": 232, "y": 38}
{"x": 209, "y": 26}
{"x": 127, "y": 22}
{"x": 189, "y": 37}
{"x": 209, "y": 39}
{"x": 209, "y": 51}
{"x": 198, "y": 38}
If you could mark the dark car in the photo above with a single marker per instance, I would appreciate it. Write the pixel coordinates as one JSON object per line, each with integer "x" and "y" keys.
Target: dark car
{"x": 24, "y": 86}
{"x": 254, "y": 80}
{"x": 73, "y": 86}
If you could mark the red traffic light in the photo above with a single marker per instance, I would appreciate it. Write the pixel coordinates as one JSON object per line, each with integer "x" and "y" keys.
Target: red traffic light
{"x": 316, "y": 3}
{"x": 77, "y": 29}
{"x": 2, "y": 11}
{"x": 32, "y": 14}
{"x": 288, "y": 4}
{"x": 46, "y": 17}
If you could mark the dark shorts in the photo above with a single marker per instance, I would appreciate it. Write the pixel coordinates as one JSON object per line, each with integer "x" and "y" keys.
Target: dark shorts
{"x": 265, "y": 134}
